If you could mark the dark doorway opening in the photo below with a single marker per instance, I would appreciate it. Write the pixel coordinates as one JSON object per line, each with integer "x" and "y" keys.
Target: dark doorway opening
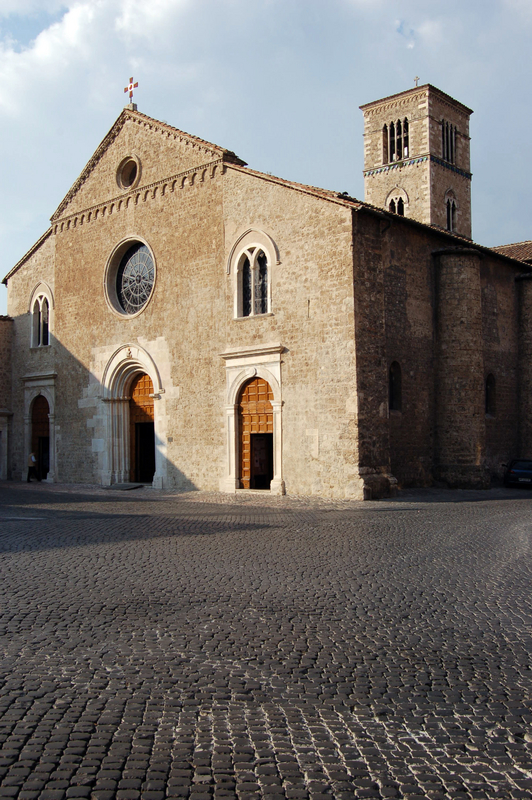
{"x": 144, "y": 452}
{"x": 40, "y": 435}
{"x": 43, "y": 456}
{"x": 261, "y": 460}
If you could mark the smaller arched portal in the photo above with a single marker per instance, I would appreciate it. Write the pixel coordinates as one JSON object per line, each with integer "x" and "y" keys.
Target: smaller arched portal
{"x": 253, "y": 410}
{"x": 131, "y": 388}
{"x": 40, "y": 435}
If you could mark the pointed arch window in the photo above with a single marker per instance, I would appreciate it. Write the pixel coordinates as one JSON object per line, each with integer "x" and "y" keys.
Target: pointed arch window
{"x": 451, "y": 214}
{"x": 253, "y": 272}
{"x": 40, "y": 321}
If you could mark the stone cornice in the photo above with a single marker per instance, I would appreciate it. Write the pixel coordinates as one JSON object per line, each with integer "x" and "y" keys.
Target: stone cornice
{"x": 412, "y": 162}
{"x": 189, "y": 177}
{"x": 253, "y": 350}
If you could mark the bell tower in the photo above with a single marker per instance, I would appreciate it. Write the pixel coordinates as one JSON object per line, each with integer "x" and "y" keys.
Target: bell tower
{"x": 417, "y": 157}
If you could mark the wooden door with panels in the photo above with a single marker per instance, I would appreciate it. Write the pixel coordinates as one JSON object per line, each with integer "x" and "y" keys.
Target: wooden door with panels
{"x": 142, "y": 430}
{"x": 255, "y": 418}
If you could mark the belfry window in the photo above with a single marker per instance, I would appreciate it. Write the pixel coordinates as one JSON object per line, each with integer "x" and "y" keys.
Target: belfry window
{"x": 395, "y": 141}
{"x": 395, "y": 389}
{"x": 40, "y": 322}
{"x": 396, "y": 202}
{"x": 448, "y": 141}
{"x": 253, "y": 283}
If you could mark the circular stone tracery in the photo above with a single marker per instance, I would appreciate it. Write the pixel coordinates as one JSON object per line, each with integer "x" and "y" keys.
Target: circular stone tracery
{"x": 135, "y": 278}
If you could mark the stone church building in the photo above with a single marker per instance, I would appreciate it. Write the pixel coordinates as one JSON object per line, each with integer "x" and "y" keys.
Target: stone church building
{"x": 189, "y": 322}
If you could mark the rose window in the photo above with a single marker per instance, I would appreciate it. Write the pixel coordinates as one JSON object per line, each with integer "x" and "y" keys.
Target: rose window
{"x": 134, "y": 279}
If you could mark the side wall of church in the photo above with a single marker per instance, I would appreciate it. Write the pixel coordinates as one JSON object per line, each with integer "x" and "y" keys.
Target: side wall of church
{"x": 27, "y": 360}
{"x": 403, "y": 304}
{"x": 500, "y": 334}
{"x": 312, "y": 317}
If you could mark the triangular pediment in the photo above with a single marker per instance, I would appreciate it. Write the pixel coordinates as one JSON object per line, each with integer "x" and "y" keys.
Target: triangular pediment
{"x": 159, "y": 150}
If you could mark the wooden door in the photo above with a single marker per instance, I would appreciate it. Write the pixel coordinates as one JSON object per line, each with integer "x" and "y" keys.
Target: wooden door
{"x": 256, "y": 417}
{"x": 142, "y": 438}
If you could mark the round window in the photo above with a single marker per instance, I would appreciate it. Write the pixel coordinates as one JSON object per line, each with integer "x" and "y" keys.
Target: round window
{"x": 130, "y": 278}
{"x": 134, "y": 279}
{"x": 128, "y": 172}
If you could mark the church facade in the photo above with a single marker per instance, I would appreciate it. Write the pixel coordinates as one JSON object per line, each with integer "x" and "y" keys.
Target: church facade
{"x": 189, "y": 322}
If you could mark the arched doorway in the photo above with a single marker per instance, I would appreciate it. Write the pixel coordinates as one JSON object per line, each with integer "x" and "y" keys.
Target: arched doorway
{"x": 255, "y": 426}
{"x": 40, "y": 434}
{"x": 142, "y": 431}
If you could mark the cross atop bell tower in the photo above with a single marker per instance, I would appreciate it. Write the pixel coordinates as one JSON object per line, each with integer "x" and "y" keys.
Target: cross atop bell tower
{"x": 417, "y": 157}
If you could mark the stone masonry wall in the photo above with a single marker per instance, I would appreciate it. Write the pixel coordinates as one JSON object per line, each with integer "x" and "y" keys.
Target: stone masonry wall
{"x": 28, "y": 360}
{"x": 312, "y": 317}
{"x": 460, "y": 415}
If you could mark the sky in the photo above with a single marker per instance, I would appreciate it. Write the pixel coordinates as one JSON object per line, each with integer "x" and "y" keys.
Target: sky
{"x": 279, "y": 82}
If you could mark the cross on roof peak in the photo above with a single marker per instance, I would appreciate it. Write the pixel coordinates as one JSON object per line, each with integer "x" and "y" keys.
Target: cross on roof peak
{"x": 129, "y": 88}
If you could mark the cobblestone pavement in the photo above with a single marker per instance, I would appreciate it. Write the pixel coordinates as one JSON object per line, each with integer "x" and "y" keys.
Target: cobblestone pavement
{"x": 157, "y": 645}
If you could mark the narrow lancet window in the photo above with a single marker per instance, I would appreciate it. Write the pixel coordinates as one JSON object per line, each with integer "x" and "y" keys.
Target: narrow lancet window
{"x": 406, "y": 141}
{"x": 392, "y": 206}
{"x": 44, "y": 322}
{"x": 401, "y": 207}
{"x": 385, "y": 145}
{"x": 399, "y": 136}
{"x": 392, "y": 142}
{"x": 490, "y": 395}
{"x": 246, "y": 288}
{"x": 261, "y": 285}
{"x": 395, "y": 387}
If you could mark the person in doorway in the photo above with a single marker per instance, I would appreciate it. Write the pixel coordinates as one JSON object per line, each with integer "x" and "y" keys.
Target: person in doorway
{"x": 32, "y": 468}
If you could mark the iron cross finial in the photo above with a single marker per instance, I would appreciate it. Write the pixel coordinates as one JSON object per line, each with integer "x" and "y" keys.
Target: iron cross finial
{"x": 416, "y": 79}
{"x": 130, "y": 88}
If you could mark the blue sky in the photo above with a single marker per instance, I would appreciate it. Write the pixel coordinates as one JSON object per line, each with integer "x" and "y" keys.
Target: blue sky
{"x": 277, "y": 81}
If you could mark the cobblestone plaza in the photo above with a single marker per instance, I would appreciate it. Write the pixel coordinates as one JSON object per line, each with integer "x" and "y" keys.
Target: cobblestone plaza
{"x": 157, "y": 645}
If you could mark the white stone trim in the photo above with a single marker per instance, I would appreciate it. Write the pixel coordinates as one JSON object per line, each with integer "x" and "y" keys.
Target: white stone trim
{"x": 34, "y": 385}
{"x": 263, "y": 361}
{"x": 249, "y": 244}
{"x": 42, "y": 290}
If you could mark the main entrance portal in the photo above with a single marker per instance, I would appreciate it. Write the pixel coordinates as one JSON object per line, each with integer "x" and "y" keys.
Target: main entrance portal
{"x": 40, "y": 434}
{"x": 142, "y": 432}
{"x": 255, "y": 418}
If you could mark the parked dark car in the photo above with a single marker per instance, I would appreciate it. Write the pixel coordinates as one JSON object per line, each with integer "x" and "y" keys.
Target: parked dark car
{"x": 518, "y": 473}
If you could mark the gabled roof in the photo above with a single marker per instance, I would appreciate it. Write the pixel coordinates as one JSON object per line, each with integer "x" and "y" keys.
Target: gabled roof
{"x": 522, "y": 251}
{"x": 27, "y": 255}
{"x": 211, "y": 150}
